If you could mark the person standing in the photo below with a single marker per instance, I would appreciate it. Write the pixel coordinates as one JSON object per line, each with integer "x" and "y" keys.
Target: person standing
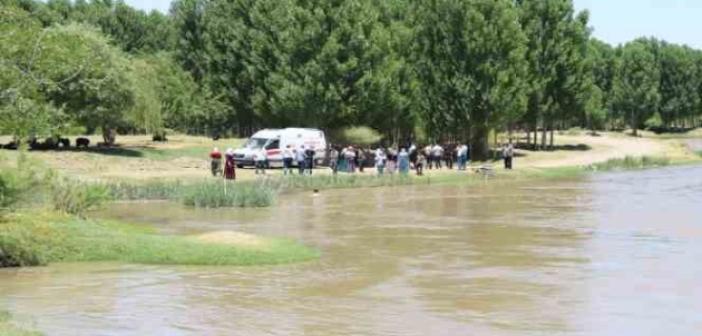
{"x": 462, "y": 157}
{"x": 437, "y": 153}
{"x": 216, "y": 161}
{"x": 450, "y": 155}
{"x": 421, "y": 162}
{"x": 403, "y": 162}
{"x": 391, "y": 163}
{"x": 380, "y": 160}
{"x": 334, "y": 160}
{"x": 427, "y": 156}
{"x": 287, "y": 160}
{"x": 300, "y": 158}
{"x": 309, "y": 159}
{"x": 351, "y": 159}
{"x": 413, "y": 155}
{"x": 260, "y": 157}
{"x": 229, "y": 165}
{"x": 361, "y": 158}
{"x": 508, "y": 154}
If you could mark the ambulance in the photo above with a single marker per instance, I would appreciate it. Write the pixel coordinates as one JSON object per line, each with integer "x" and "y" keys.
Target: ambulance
{"x": 275, "y": 140}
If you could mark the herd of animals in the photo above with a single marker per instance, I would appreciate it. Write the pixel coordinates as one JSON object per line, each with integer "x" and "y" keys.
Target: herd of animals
{"x": 62, "y": 143}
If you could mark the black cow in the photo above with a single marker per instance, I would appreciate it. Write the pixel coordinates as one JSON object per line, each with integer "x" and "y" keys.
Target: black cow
{"x": 82, "y": 142}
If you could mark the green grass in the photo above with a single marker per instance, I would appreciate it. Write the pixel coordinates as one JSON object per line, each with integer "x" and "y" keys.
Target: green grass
{"x": 10, "y": 328}
{"x": 227, "y": 194}
{"x": 631, "y": 163}
{"x": 39, "y": 239}
{"x": 211, "y": 193}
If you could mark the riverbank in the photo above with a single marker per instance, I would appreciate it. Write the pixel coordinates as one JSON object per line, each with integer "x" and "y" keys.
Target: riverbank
{"x": 40, "y": 238}
{"x": 183, "y": 157}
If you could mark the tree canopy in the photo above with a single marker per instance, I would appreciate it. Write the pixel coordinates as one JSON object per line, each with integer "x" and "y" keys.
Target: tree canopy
{"x": 429, "y": 70}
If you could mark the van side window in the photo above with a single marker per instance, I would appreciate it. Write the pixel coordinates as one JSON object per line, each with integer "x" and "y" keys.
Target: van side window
{"x": 275, "y": 144}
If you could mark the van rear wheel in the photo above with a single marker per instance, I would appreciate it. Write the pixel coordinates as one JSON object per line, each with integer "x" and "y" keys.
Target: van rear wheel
{"x": 240, "y": 166}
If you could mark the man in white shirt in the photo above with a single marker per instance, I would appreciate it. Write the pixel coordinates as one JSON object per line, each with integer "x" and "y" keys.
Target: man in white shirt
{"x": 437, "y": 152}
{"x": 260, "y": 158}
{"x": 287, "y": 160}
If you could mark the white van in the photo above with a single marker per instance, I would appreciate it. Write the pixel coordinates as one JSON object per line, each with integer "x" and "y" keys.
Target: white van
{"x": 275, "y": 140}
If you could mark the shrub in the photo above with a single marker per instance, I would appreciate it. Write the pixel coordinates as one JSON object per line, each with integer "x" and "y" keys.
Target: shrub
{"x": 75, "y": 197}
{"x": 19, "y": 184}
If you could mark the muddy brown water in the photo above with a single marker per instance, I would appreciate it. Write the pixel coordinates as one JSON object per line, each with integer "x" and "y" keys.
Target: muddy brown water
{"x": 614, "y": 254}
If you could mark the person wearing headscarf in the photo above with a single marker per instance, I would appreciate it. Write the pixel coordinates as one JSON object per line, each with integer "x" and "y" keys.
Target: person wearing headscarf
{"x": 229, "y": 165}
{"x": 403, "y": 162}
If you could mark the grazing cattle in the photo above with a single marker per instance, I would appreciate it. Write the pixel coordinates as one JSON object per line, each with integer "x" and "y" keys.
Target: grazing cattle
{"x": 82, "y": 142}
{"x": 161, "y": 137}
{"x": 12, "y": 145}
{"x": 64, "y": 143}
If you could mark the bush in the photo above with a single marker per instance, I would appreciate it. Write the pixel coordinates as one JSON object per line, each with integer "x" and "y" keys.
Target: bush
{"x": 19, "y": 184}
{"x": 74, "y": 197}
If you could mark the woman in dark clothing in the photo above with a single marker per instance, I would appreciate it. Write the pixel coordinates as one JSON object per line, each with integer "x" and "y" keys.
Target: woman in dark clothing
{"x": 229, "y": 165}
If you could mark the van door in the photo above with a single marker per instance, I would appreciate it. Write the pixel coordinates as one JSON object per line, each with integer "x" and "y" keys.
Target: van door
{"x": 274, "y": 154}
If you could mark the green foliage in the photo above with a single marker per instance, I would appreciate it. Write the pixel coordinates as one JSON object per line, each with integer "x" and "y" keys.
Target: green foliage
{"x": 20, "y": 183}
{"x": 75, "y": 197}
{"x": 557, "y": 48}
{"x": 40, "y": 239}
{"x": 411, "y": 70}
{"x": 218, "y": 195}
{"x": 359, "y": 135}
{"x": 655, "y": 121}
{"x": 631, "y": 162}
{"x": 469, "y": 76}
{"x": 636, "y": 83}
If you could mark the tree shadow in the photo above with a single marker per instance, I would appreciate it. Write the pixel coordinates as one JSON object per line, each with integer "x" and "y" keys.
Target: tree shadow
{"x": 569, "y": 148}
{"x": 110, "y": 151}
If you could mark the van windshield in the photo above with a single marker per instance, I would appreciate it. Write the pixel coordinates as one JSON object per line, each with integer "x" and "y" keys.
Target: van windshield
{"x": 255, "y": 143}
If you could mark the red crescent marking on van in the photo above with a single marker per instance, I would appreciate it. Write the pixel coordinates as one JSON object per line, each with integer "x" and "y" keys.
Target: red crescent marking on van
{"x": 273, "y": 151}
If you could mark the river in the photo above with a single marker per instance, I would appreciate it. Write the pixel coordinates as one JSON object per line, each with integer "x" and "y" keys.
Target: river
{"x": 611, "y": 254}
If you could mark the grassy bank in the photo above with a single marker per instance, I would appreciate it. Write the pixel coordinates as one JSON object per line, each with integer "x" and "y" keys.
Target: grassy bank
{"x": 631, "y": 163}
{"x": 214, "y": 193}
{"x": 10, "y": 328}
{"x": 43, "y": 238}
{"x": 263, "y": 192}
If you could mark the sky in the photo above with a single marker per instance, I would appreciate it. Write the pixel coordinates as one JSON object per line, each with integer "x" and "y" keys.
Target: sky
{"x": 613, "y": 21}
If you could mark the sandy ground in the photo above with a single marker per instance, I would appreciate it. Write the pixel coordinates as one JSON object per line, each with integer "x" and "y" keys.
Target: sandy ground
{"x": 185, "y": 157}
{"x": 233, "y": 238}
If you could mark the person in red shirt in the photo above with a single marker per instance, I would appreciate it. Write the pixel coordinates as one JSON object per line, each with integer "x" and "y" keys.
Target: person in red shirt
{"x": 216, "y": 162}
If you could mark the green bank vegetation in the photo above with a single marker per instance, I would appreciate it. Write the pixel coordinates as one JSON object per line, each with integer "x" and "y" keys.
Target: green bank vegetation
{"x": 31, "y": 239}
{"x": 10, "y": 328}
{"x": 42, "y": 221}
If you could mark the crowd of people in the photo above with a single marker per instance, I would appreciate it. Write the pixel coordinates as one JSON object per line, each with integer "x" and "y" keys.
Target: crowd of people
{"x": 352, "y": 159}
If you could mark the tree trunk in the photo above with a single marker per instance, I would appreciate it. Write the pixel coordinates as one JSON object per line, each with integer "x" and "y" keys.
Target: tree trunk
{"x": 108, "y": 136}
{"x": 536, "y": 138}
{"x": 551, "y": 140}
{"x": 633, "y": 123}
{"x": 479, "y": 149}
{"x": 543, "y": 137}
